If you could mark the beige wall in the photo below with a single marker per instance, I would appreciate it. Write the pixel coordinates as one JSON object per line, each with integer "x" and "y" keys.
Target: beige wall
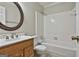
{"x": 29, "y": 14}
{"x": 28, "y": 26}
{"x": 61, "y": 7}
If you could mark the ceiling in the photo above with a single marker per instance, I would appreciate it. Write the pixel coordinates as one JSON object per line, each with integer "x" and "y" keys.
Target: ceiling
{"x": 47, "y": 4}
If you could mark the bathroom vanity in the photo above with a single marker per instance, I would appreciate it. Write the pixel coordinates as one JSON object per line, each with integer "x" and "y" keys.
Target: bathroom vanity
{"x": 21, "y": 47}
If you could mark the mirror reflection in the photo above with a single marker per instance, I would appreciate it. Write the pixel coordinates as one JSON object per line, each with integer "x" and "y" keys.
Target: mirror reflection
{"x": 9, "y": 14}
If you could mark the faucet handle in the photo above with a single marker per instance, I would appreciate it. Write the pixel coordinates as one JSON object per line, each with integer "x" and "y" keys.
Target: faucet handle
{"x": 7, "y": 37}
{"x": 12, "y": 35}
{"x": 17, "y": 36}
{"x": 75, "y": 38}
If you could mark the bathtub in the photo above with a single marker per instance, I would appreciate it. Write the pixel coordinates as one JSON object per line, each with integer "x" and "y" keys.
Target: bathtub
{"x": 58, "y": 48}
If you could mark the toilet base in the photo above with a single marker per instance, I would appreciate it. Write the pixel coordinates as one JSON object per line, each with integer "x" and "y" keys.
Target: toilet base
{"x": 41, "y": 53}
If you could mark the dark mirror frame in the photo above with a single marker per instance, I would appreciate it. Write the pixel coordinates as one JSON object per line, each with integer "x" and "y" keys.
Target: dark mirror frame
{"x": 4, "y": 27}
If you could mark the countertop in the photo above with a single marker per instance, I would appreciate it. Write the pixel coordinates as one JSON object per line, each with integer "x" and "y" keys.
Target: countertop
{"x": 4, "y": 42}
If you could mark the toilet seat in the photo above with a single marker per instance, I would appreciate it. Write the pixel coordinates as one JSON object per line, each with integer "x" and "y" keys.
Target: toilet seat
{"x": 40, "y": 47}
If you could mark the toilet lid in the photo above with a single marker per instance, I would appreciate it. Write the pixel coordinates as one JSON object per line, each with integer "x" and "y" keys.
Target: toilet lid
{"x": 40, "y": 47}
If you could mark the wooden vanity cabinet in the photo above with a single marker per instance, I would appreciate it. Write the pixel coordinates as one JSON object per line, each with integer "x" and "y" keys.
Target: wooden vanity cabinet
{"x": 16, "y": 53}
{"x": 28, "y": 51}
{"x": 20, "y": 49}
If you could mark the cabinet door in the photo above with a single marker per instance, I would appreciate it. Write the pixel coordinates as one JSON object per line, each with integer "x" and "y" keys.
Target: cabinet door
{"x": 11, "y": 52}
{"x": 29, "y": 51}
{"x": 16, "y": 53}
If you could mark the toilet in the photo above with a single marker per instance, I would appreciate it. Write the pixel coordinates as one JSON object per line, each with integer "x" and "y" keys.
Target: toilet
{"x": 41, "y": 50}
{"x": 39, "y": 47}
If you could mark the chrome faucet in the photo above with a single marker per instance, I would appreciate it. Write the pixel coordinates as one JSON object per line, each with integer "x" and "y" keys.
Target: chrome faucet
{"x": 12, "y": 35}
{"x": 7, "y": 37}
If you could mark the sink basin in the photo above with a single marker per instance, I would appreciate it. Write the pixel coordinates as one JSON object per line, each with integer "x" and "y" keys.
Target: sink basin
{"x": 2, "y": 40}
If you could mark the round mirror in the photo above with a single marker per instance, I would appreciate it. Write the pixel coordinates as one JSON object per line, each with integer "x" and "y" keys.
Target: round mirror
{"x": 11, "y": 16}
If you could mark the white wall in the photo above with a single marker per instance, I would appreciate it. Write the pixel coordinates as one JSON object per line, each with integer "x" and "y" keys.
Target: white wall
{"x": 39, "y": 23}
{"x": 62, "y": 28}
{"x": 77, "y": 27}
{"x": 61, "y": 7}
{"x": 77, "y": 18}
{"x": 29, "y": 9}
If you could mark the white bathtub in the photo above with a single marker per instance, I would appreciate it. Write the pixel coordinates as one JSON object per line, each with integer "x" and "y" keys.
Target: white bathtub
{"x": 60, "y": 48}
